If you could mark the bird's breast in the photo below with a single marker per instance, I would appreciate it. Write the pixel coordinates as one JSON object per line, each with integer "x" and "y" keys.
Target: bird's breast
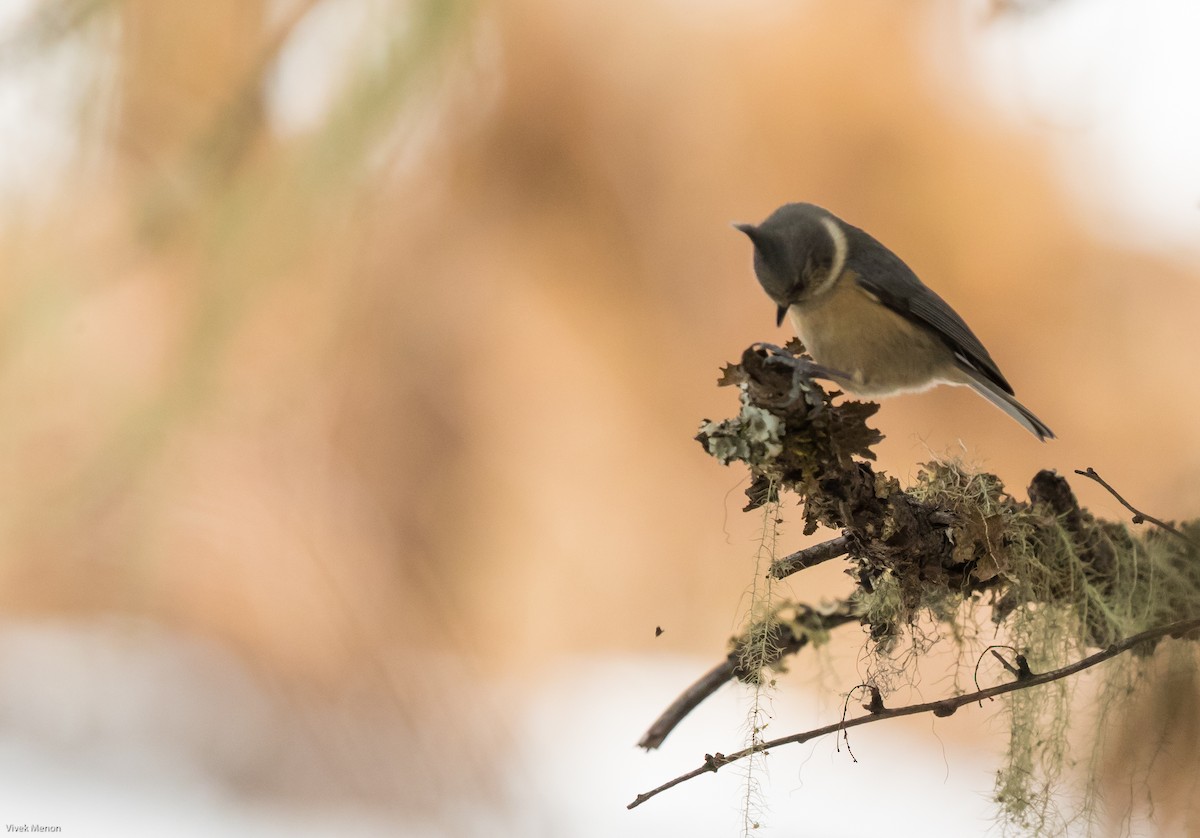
{"x": 881, "y": 352}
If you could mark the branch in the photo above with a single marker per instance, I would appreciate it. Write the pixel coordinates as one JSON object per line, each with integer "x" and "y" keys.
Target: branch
{"x": 732, "y": 667}
{"x": 688, "y": 701}
{"x": 809, "y": 556}
{"x": 1138, "y": 516}
{"x": 942, "y": 708}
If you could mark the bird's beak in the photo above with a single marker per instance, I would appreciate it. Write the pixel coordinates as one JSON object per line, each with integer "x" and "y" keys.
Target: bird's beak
{"x": 767, "y": 250}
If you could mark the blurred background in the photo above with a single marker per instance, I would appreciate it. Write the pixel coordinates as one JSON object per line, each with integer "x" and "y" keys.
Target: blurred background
{"x": 352, "y": 351}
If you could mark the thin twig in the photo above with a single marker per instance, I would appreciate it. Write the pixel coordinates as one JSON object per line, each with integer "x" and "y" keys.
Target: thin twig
{"x": 688, "y": 701}
{"x": 942, "y": 708}
{"x": 1138, "y": 516}
{"x": 1012, "y": 670}
{"x": 809, "y": 556}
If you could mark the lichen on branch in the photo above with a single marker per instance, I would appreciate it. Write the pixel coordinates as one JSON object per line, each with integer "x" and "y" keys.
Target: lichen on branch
{"x": 1058, "y": 580}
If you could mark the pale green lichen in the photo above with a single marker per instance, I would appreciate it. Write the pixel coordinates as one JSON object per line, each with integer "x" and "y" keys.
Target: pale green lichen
{"x": 753, "y": 437}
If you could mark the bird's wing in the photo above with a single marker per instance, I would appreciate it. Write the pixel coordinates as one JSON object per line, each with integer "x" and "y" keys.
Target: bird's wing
{"x": 908, "y": 296}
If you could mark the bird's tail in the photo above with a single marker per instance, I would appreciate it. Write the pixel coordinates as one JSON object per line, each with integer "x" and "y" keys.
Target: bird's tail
{"x": 1006, "y": 402}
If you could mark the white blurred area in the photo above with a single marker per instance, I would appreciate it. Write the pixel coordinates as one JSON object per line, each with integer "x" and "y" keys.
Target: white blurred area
{"x": 1101, "y": 83}
{"x": 120, "y": 728}
{"x": 41, "y": 101}
{"x": 121, "y": 725}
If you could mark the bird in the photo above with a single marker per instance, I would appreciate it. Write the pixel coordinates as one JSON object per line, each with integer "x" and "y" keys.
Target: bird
{"x": 864, "y": 315}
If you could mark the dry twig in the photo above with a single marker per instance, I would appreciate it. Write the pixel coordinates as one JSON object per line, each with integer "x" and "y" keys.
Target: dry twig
{"x": 809, "y": 557}
{"x": 1139, "y": 517}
